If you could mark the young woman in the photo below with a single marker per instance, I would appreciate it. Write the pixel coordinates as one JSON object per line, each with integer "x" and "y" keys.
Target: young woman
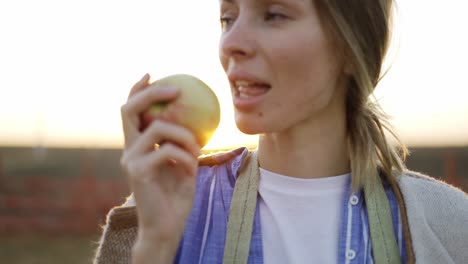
{"x": 302, "y": 73}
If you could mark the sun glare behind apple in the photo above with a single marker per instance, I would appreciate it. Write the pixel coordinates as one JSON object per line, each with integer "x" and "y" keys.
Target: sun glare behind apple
{"x": 227, "y": 136}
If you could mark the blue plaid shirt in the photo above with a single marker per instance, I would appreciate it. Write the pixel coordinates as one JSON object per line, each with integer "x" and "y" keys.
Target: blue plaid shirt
{"x": 205, "y": 232}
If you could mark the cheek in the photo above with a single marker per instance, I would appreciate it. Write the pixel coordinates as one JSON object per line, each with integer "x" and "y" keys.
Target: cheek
{"x": 304, "y": 71}
{"x": 301, "y": 58}
{"x": 306, "y": 76}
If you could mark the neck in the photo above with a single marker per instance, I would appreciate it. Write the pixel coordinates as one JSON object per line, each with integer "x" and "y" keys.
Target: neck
{"x": 315, "y": 148}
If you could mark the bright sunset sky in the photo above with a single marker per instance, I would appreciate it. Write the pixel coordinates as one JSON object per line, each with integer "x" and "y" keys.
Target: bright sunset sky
{"x": 66, "y": 67}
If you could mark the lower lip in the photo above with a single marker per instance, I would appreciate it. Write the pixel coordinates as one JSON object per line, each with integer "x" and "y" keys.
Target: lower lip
{"x": 248, "y": 103}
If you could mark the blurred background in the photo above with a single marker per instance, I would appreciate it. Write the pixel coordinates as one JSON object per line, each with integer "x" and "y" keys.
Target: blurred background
{"x": 66, "y": 68}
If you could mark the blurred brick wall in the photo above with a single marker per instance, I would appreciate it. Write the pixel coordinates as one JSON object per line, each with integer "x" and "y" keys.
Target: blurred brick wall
{"x": 58, "y": 191}
{"x": 447, "y": 164}
{"x": 69, "y": 191}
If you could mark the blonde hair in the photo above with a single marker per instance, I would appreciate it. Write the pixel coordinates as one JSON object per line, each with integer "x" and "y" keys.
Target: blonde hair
{"x": 361, "y": 31}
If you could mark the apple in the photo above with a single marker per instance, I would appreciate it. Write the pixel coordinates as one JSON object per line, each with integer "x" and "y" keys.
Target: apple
{"x": 196, "y": 108}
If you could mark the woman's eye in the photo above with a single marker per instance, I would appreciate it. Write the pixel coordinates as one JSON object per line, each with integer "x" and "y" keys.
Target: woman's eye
{"x": 273, "y": 16}
{"x": 225, "y": 21}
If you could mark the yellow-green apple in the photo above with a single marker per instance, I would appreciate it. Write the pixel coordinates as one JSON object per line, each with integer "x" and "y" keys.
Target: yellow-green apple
{"x": 196, "y": 107}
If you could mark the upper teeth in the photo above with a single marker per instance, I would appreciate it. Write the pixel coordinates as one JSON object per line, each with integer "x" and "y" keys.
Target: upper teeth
{"x": 242, "y": 83}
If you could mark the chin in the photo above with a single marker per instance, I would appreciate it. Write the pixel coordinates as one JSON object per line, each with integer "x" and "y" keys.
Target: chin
{"x": 251, "y": 126}
{"x": 249, "y": 130}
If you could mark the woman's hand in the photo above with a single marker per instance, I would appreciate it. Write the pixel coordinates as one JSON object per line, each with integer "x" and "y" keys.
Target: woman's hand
{"x": 161, "y": 165}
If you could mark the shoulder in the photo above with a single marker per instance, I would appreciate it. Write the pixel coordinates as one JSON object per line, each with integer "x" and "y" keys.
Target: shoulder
{"x": 430, "y": 193}
{"x": 437, "y": 215}
{"x": 420, "y": 184}
{"x": 223, "y": 164}
{"x": 222, "y": 157}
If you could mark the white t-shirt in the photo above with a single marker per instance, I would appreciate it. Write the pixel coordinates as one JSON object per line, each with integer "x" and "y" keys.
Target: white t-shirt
{"x": 300, "y": 218}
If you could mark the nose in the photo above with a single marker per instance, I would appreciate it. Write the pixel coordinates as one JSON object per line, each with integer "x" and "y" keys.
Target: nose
{"x": 237, "y": 42}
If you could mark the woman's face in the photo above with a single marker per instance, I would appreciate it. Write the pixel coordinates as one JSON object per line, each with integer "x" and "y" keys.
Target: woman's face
{"x": 281, "y": 66}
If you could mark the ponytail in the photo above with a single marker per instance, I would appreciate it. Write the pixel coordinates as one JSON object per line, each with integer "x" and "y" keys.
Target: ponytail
{"x": 361, "y": 31}
{"x": 370, "y": 151}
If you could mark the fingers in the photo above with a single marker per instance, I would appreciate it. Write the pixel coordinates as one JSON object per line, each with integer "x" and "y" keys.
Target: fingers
{"x": 144, "y": 99}
{"x": 140, "y": 85}
{"x": 162, "y": 132}
{"x": 128, "y": 121}
{"x": 163, "y": 181}
{"x": 173, "y": 156}
{"x": 158, "y": 164}
{"x": 141, "y": 97}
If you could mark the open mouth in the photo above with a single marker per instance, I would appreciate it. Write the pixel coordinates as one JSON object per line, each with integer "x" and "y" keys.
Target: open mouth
{"x": 246, "y": 89}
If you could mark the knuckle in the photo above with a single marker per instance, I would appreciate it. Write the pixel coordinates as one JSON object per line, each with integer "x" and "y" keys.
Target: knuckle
{"x": 124, "y": 109}
{"x": 160, "y": 130}
{"x": 124, "y": 160}
{"x": 154, "y": 131}
{"x": 168, "y": 148}
{"x": 135, "y": 171}
{"x": 154, "y": 92}
{"x": 155, "y": 126}
{"x": 126, "y": 165}
{"x": 130, "y": 166}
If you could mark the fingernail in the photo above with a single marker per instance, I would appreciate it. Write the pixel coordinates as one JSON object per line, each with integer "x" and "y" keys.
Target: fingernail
{"x": 144, "y": 77}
